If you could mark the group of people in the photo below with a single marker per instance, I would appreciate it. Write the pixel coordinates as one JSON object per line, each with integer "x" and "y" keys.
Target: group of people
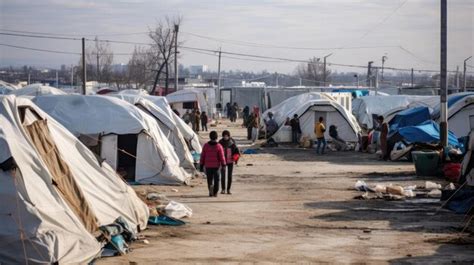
{"x": 231, "y": 111}
{"x": 196, "y": 118}
{"x": 217, "y": 160}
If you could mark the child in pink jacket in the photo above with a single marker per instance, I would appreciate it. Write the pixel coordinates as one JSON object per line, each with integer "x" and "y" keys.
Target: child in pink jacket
{"x": 212, "y": 158}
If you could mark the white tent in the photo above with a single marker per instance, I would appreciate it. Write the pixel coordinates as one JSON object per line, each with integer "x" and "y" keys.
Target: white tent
{"x": 189, "y": 135}
{"x": 37, "y": 90}
{"x": 55, "y": 193}
{"x": 188, "y": 99}
{"x": 134, "y": 92}
{"x": 127, "y": 138}
{"x": 167, "y": 126}
{"x": 309, "y": 113}
{"x": 460, "y": 113}
{"x": 365, "y": 108}
{"x": 6, "y": 88}
{"x": 291, "y": 105}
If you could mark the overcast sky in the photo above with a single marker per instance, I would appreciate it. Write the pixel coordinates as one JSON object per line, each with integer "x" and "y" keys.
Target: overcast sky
{"x": 412, "y": 24}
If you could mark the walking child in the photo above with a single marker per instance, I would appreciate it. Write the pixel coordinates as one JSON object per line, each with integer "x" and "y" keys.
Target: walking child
{"x": 231, "y": 154}
{"x": 212, "y": 159}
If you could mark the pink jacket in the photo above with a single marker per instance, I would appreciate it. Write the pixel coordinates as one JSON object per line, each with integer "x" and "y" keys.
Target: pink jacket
{"x": 212, "y": 155}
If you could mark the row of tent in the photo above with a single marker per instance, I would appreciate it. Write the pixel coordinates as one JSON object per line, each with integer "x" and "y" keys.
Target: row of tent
{"x": 55, "y": 193}
{"x": 137, "y": 134}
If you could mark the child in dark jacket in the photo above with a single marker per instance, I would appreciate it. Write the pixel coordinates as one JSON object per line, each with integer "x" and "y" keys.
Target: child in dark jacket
{"x": 212, "y": 158}
{"x": 231, "y": 154}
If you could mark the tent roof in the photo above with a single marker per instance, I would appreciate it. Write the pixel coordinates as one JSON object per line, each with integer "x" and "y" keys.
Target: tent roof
{"x": 427, "y": 132}
{"x": 409, "y": 117}
{"x": 37, "y": 90}
{"x": 455, "y": 102}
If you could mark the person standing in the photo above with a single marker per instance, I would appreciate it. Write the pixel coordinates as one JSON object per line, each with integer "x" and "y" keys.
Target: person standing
{"x": 255, "y": 126}
{"x": 383, "y": 137}
{"x": 204, "y": 121}
{"x": 235, "y": 111}
{"x": 212, "y": 158}
{"x": 197, "y": 120}
{"x": 231, "y": 155}
{"x": 319, "y": 130}
{"x": 295, "y": 129}
{"x": 249, "y": 125}
{"x": 245, "y": 114}
{"x": 192, "y": 119}
{"x": 187, "y": 117}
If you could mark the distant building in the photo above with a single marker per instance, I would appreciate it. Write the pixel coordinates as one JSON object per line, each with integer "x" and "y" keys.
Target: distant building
{"x": 198, "y": 69}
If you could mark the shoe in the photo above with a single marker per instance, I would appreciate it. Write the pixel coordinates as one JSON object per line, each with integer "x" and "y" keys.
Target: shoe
{"x": 223, "y": 192}
{"x": 210, "y": 194}
{"x": 228, "y": 192}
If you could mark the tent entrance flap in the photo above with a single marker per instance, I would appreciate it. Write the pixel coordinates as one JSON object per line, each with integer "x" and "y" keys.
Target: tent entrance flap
{"x": 61, "y": 174}
{"x": 127, "y": 153}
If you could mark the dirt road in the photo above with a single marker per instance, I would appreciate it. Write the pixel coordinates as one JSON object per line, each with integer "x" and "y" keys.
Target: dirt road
{"x": 291, "y": 206}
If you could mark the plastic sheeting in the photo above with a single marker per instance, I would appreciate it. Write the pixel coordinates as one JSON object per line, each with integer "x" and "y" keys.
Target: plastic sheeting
{"x": 37, "y": 90}
{"x": 427, "y": 132}
{"x": 409, "y": 117}
{"x": 87, "y": 115}
{"x": 460, "y": 113}
{"x": 52, "y": 230}
{"x": 365, "y": 108}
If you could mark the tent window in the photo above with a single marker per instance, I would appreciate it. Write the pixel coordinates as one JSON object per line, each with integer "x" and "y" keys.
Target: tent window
{"x": 61, "y": 174}
{"x": 127, "y": 153}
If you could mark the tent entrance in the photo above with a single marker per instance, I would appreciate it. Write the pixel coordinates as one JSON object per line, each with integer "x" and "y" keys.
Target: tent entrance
{"x": 127, "y": 153}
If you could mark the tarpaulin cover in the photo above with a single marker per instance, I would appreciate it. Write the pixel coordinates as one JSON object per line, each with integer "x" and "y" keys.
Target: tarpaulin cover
{"x": 410, "y": 117}
{"x": 427, "y": 132}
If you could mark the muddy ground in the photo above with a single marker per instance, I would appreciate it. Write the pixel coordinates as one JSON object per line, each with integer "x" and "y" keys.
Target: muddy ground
{"x": 290, "y": 205}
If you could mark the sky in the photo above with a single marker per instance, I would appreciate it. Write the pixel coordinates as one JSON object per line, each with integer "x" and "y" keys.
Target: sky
{"x": 381, "y": 25}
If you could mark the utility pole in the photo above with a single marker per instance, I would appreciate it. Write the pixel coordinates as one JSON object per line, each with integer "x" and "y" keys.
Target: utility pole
{"x": 29, "y": 78}
{"x": 219, "y": 78}
{"x": 443, "y": 75}
{"x": 324, "y": 69}
{"x": 357, "y": 77}
{"x": 97, "y": 56}
{"x": 301, "y": 82}
{"x": 84, "y": 66}
{"x": 376, "y": 83}
{"x": 72, "y": 76}
{"x": 464, "y": 79}
{"x": 384, "y": 58}
{"x": 276, "y": 79}
{"x": 369, "y": 74}
{"x": 57, "y": 79}
{"x": 176, "y": 29}
{"x": 412, "y": 78}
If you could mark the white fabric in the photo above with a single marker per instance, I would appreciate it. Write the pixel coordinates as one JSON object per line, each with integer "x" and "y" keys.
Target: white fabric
{"x": 189, "y": 135}
{"x": 364, "y": 107}
{"x": 108, "y": 150}
{"x": 176, "y": 99}
{"x": 37, "y": 90}
{"x": 461, "y": 116}
{"x": 54, "y": 232}
{"x": 167, "y": 125}
{"x": 133, "y": 92}
{"x": 334, "y": 114}
{"x": 88, "y": 115}
{"x": 291, "y": 105}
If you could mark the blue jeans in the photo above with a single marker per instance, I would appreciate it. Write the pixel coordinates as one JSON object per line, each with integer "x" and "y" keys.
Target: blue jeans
{"x": 323, "y": 141}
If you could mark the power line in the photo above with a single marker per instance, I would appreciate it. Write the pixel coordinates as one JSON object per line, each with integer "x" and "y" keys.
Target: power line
{"x": 73, "y": 35}
{"x": 39, "y": 50}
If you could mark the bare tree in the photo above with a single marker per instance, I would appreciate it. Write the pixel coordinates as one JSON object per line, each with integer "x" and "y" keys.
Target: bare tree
{"x": 99, "y": 59}
{"x": 312, "y": 72}
{"x": 162, "y": 48}
{"x": 140, "y": 67}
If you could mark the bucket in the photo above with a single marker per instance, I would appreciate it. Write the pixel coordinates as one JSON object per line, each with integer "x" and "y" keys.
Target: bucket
{"x": 426, "y": 162}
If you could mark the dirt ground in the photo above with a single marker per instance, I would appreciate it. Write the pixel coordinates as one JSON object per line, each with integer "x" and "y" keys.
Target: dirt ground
{"x": 290, "y": 205}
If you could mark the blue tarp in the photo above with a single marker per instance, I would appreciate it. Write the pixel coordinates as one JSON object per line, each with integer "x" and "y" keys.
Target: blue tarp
{"x": 356, "y": 93}
{"x": 427, "y": 132}
{"x": 410, "y": 117}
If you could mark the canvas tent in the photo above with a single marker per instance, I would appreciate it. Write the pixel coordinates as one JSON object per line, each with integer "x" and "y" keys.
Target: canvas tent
{"x": 6, "y": 88}
{"x": 188, "y": 99}
{"x": 55, "y": 193}
{"x": 189, "y": 135}
{"x": 127, "y": 138}
{"x": 37, "y": 90}
{"x": 460, "y": 113}
{"x": 167, "y": 125}
{"x": 409, "y": 117}
{"x": 368, "y": 107}
{"x": 309, "y": 112}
